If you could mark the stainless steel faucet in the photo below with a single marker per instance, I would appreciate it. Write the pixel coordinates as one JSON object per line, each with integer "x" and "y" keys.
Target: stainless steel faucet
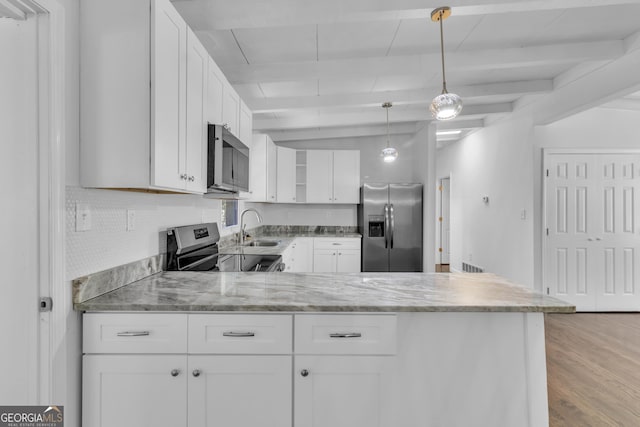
{"x": 242, "y": 224}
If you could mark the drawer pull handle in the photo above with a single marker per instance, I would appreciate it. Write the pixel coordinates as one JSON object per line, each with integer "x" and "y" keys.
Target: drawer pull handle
{"x": 337, "y": 244}
{"x": 346, "y": 335}
{"x": 238, "y": 334}
{"x": 134, "y": 334}
{"x": 196, "y": 373}
{"x": 175, "y": 373}
{"x": 304, "y": 373}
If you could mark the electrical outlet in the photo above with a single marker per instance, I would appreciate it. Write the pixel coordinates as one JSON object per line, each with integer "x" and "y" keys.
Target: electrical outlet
{"x": 131, "y": 220}
{"x": 83, "y": 217}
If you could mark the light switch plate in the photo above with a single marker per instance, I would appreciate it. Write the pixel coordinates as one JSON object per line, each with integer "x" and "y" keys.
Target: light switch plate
{"x": 83, "y": 217}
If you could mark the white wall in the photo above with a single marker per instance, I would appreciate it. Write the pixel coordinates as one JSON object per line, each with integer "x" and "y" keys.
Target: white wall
{"x": 495, "y": 162}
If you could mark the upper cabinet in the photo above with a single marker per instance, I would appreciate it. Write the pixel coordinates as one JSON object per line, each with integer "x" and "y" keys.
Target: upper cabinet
{"x": 262, "y": 169}
{"x": 246, "y": 124}
{"x": 286, "y": 175}
{"x": 148, "y": 89}
{"x": 333, "y": 176}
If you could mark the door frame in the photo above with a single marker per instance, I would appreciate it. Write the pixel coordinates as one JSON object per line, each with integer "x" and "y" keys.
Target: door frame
{"x": 546, "y": 155}
{"x": 51, "y": 379}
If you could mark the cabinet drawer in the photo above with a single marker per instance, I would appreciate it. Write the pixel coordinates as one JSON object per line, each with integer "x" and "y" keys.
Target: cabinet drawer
{"x": 345, "y": 334}
{"x": 240, "y": 333}
{"x": 134, "y": 333}
{"x": 336, "y": 243}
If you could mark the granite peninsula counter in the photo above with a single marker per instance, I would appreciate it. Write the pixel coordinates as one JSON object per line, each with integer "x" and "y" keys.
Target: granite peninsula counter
{"x": 387, "y": 349}
{"x": 357, "y": 292}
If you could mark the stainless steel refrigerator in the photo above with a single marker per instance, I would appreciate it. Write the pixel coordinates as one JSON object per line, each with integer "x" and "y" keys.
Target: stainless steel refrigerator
{"x": 390, "y": 221}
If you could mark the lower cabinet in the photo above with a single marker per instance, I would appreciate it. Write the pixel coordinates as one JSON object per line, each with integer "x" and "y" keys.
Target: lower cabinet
{"x": 339, "y": 255}
{"x": 239, "y": 370}
{"x": 134, "y": 390}
{"x": 239, "y": 391}
{"x": 341, "y": 391}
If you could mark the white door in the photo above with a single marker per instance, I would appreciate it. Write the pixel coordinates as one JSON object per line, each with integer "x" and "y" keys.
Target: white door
{"x": 196, "y": 139}
{"x": 348, "y": 261}
{"x": 319, "y": 176}
{"x": 168, "y": 97}
{"x": 324, "y": 260}
{"x": 445, "y": 228}
{"x": 134, "y": 390}
{"x": 592, "y": 243}
{"x": 239, "y": 391}
{"x": 341, "y": 391}
{"x": 346, "y": 176}
{"x": 19, "y": 175}
{"x": 286, "y": 175}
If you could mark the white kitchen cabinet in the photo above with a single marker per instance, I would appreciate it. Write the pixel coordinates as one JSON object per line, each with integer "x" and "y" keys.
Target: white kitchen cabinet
{"x": 215, "y": 84}
{"x": 298, "y": 256}
{"x": 286, "y": 175}
{"x": 262, "y": 169}
{"x": 333, "y": 176}
{"x": 336, "y": 255}
{"x": 240, "y": 391}
{"x": 140, "y": 73}
{"x": 231, "y": 109}
{"x": 134, "y": 390}
{"x": 342, "y": 391}
{"x": 246, "y": 124}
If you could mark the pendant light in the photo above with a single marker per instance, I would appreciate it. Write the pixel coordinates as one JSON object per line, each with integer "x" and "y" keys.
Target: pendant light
{"x": 388, "y": 154}
{"x": 445, "y": 106}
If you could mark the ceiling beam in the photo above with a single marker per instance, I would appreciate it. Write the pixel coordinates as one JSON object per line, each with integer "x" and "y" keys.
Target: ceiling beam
{"x": 426, "y": 64}
{"x": 610, "y": 81}
{"x": 629, "y": 104}
{"x": 210, "y": 15}
{"x": 460, "y": 124}
{"x": 399, "y": 97}
{"x": 10, "y": 10}
{"x": 407, "y": 128}
{"x": 373, "y": 117}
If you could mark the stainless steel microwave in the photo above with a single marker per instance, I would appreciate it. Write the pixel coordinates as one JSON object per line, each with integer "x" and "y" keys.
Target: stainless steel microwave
{"x": 227, "y": 162}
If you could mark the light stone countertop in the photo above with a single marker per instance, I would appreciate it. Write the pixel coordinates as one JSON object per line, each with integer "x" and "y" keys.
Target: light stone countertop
{"x": 283, "y": 239}
{"x": 316, "y": 292}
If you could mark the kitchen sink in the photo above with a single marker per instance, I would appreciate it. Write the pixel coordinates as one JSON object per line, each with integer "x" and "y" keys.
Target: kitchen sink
{"x": 266, "y": 243}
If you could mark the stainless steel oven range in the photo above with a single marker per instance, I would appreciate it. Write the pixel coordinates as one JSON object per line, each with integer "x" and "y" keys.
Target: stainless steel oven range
{"x": 195, "y": 248}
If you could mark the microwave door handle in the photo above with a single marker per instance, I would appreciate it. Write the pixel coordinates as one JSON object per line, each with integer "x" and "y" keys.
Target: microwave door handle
{"x": 386, "y": 226}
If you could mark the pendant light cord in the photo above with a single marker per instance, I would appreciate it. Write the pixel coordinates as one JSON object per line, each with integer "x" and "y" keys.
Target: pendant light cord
{"x": 444, "y": 80}
{"x": 387, "y": 126}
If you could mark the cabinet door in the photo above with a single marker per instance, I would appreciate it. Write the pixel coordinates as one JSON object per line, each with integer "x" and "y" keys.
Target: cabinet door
{"x": 168, "y": 98}
{"x": 134, "y": 390}
{"x": 239, "y": 391}
{"x": 346, "y": 176}
{"x": 319, "y": 176}
{"x": 246, "y": 123}
{"x": 324, "y": 261}
{"x": 342, "y": 391}
{"x": 231, "y": 109}
{"x": 286, "y": 175}
{"x": 272, "y": 178}
{"x": 348, "y": 261}
{"x": 196, "y": 140}
{"x": 258, "y": 169}
{"x": 303, "y": 255}
{"x": 215, "y": 84}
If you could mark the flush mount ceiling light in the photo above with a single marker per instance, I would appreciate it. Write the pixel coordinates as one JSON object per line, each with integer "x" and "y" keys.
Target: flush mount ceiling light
{"x": 388, "y": 154}
{"x": 445, "y": 106}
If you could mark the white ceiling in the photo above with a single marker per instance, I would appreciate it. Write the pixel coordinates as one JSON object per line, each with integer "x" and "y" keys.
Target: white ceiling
{"x": 313, "y": 69}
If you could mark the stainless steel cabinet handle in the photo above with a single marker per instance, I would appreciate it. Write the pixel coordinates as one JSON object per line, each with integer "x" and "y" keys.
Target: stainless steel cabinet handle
{"x": 337, "y": 244}
{"x": 304, "y": 372}
{"x": 192, "y": 178}
{"x": 598, "y": 239}
{"x": 346, "y": 335}
{"x": 133, "y": 334}
{"x": 196, "y": 373}
{"x": 238, "y": 334}
{"x": 175, "y": 373}
{"x": 590, "y": 239}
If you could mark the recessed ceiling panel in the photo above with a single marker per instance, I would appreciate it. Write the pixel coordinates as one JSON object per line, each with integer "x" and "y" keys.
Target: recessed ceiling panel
{"x": 356, "y": 39}
{"x": 281, "y": 44}
{"x": 297, "y": 88}
{"x": 423, "y": 35}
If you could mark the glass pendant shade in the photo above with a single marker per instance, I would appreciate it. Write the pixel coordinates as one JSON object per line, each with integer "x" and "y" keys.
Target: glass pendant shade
{"x": 389, "y": 154}
{"x": 446, "y": 106}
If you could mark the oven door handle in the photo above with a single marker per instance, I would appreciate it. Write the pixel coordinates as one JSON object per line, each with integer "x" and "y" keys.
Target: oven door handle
{"x": 197, "y": 263}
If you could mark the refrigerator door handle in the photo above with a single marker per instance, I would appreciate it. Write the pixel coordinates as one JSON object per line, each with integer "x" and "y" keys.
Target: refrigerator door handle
{"x": 386, "y": 226}
{"x": 392, "y": 226}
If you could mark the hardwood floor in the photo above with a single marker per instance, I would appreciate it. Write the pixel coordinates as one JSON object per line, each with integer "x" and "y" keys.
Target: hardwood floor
{"x": 593, "y": 369}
